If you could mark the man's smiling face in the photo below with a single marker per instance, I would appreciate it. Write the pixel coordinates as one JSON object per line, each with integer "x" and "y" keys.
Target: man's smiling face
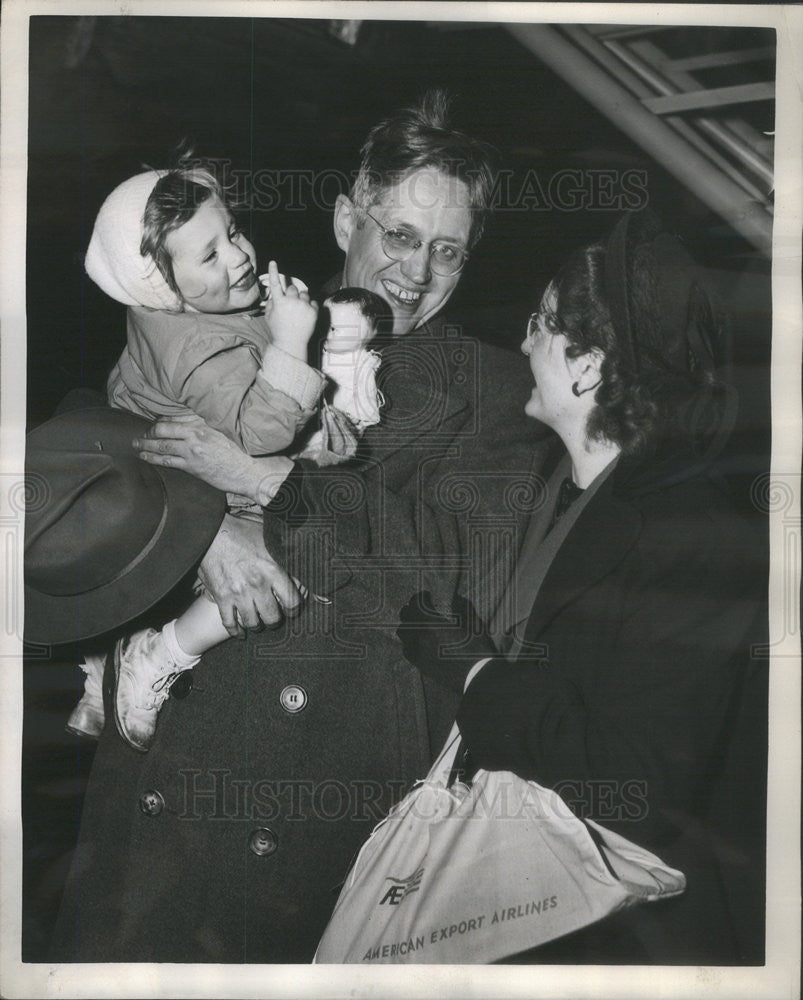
{"x": 431, "y": 206}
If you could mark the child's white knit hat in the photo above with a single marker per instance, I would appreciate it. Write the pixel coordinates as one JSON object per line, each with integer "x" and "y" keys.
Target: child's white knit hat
{"x": 113, "y": 260}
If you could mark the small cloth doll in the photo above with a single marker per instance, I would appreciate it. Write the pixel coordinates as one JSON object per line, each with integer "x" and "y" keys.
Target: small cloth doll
{"x": 351, "y": 369}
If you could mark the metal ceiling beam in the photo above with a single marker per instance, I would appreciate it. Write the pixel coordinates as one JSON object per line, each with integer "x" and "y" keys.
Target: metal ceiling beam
{"x": 620, "y": 62}
{"x": 676, "y": 155}
{"x": 716, "y": 97}
{"x": 712, "y": 60}
{"x": 735, "y": 134}
{"x": 607, "y": 31}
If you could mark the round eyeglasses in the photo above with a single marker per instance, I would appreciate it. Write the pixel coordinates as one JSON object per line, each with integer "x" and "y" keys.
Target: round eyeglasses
{"x": 540, "y": 320}
{"x": 399, "y": 244}
{"x": 533, "y": 323}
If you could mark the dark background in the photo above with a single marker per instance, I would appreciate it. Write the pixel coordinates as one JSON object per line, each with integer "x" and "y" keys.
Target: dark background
{"x": 109, "y": 96}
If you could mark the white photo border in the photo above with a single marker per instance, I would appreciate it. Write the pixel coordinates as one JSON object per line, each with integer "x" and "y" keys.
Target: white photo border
{"x": 780, "y": 976}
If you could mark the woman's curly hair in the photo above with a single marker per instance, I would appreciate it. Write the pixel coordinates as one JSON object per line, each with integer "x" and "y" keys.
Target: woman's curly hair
{"x": 650, "y": 382}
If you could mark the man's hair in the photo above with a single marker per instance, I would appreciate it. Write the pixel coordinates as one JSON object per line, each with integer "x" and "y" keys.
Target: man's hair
{"x": 175, "y": 199}
{"x": 422, "y": 136}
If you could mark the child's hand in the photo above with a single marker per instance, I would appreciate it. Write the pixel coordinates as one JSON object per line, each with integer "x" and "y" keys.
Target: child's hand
{"x": 291, "y": 315}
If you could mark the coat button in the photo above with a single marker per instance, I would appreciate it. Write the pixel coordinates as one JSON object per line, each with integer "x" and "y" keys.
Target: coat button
{"x": 263, "y": 842}
{"x": 182, "y": 685}
{"x": 293, "y": 699}
{"x": 151, "y": 802}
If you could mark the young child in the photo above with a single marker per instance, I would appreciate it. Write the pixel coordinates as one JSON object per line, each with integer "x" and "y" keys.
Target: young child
{"x": 201, "y": 338}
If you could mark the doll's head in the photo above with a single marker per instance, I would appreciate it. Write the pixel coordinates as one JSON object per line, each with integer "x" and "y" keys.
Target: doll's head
{"x": 354, "y": 317}
{"x": 168, "y": 240}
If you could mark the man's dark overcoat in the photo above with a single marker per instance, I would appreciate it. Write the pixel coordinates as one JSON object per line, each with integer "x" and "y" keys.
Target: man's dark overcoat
{"x": 228, "y": 840}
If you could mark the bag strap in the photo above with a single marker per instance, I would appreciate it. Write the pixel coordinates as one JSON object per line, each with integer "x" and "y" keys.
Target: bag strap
{"x": 441, "y": 770}
{"x": 458, "y": 771}
{"x": 444, "y": 770}
{"x": 475, "y": 670}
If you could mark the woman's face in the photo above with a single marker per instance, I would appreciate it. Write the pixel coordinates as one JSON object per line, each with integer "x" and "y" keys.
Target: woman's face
{"x": 552, "y": 399}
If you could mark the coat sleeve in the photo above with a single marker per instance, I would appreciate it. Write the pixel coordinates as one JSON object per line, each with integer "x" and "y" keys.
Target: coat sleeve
{"x": 629, "y": 731}
{"x": 345, "y": 524}
{"x": 441, "y": 486}
{"x": 259, "y": 406}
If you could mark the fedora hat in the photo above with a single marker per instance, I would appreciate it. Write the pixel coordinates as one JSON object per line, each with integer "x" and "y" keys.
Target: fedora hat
{"x": 106, "y": 534}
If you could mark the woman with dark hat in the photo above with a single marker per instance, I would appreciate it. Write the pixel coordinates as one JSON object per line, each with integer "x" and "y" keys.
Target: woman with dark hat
{"x": 619, "y": 646}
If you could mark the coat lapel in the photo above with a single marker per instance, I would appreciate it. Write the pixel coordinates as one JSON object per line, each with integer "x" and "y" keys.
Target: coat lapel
{"x": 492, "y": 585}
{"x": 600, "y": 539}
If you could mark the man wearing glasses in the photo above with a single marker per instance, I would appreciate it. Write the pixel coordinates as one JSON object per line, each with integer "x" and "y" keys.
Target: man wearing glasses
{"x": 229, "y": 839}
{"x": 413, "y": 255}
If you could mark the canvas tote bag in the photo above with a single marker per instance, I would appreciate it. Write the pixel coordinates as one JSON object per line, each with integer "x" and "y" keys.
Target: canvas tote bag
{"x": 460, "y": 874}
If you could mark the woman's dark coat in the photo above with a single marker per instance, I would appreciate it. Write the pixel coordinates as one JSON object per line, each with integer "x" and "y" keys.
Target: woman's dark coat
{"x": 638, "y": 648}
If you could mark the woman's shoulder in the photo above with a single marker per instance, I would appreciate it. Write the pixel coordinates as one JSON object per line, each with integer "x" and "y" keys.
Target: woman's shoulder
{"x": 695, "y": 523}
{"x": 702, "y": 493}
{"x": 673, "y": 481}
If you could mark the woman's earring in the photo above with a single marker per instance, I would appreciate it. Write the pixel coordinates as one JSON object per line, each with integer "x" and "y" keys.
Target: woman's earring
{"x": 576, "y": 388}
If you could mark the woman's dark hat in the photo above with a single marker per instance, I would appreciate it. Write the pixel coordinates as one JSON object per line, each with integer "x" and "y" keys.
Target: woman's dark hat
{"x": 684, "y": 294}
{"x": 106, "y": 535}
{"x": 674, "y": 338}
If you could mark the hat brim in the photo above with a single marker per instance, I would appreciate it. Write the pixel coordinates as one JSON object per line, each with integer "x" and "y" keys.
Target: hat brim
{"x": 193, "y": 515}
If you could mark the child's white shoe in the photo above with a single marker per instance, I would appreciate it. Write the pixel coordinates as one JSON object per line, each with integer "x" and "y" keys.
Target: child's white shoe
{"x": 88, "y": 716}
{"x": 143, "y": 673}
